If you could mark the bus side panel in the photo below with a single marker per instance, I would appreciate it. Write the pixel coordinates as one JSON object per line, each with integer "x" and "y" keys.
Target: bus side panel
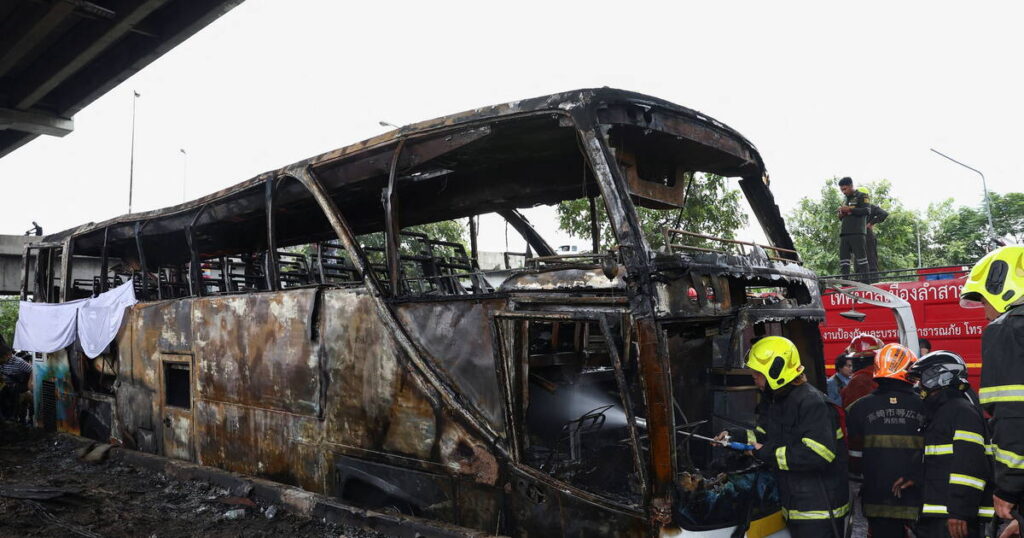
{"x": 258, "y": 381}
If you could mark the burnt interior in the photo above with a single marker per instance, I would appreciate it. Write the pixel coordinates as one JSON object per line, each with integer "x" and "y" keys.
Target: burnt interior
{"x": 576, "y": 427}
{"x": 177, "y": 385}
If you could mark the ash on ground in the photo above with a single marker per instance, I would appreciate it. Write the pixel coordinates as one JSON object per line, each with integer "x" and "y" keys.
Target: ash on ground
{"x": 46, "y": 490}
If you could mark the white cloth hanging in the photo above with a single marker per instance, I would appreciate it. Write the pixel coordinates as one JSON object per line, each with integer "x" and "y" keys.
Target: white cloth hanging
{"x": 99, "y": 319}
{"x": 46, "y": 327}
{"x": 49, "y": 327}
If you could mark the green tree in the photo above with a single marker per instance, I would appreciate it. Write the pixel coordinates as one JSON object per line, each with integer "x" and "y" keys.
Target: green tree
{"x": 8, "y": 318}
{"x": 712, "y": 208}
{"x": 959, "y": 234}
{"x": 446, "y": 230}
{"x": 814, "y": 226}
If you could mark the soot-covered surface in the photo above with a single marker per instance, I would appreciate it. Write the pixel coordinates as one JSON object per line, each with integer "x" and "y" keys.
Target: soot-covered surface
{"x": 116, "y": 499}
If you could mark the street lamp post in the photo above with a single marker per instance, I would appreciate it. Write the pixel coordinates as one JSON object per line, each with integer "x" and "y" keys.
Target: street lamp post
{"x": 984, "y": 187}
{"x": 184, "y": 172}
{"x": 131, "y": 163}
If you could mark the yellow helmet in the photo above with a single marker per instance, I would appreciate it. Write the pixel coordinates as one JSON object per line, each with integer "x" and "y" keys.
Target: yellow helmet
{"x": 998, "y": 277}
{"x": 777, "y": 359}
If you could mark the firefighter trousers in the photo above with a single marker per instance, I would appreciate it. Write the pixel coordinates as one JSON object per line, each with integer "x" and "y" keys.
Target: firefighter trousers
{"x": 935, "y": 527}
{"x": 886, "y": 527}
{"x": 816, "y": 528}
{"x": 853, "y": 246}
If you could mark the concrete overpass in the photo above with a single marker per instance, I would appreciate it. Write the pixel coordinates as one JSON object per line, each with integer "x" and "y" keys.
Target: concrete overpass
{"x": 58, "y": 56}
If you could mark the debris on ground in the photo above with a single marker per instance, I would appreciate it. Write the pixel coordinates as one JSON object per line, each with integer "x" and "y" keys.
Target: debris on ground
{"x": 47, "y": 488}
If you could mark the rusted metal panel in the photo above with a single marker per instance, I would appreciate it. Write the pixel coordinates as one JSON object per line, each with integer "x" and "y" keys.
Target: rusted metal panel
{"x": 256, "y": 350}
{"x": 412, "y": 424}
{"x": 365, "y": 370}
{"x": 457, "y": 338}
{"x": 260, "y": 442}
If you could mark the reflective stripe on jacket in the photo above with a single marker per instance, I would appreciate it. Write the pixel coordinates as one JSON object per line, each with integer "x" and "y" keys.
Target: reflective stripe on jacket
{"x": 886, "y": 443}
{"x": 802, "y": 441}
{"x": 957, "y": 471}
{"x": 1002, "y": 395}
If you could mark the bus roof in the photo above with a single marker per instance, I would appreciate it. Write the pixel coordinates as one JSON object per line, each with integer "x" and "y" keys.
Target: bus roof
{"x": 500, "y": 157}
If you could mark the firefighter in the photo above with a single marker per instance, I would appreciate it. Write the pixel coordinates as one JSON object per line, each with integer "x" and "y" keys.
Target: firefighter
{"x": 957, "y": 487}
{"x": 876, "y": 216}
{"x": 996, "y": 283}
{"x": 799, "y": 437}
{"x": 862, "y": 352}
{"x": 853, "y": 215}
{"x": 886, "y": 445}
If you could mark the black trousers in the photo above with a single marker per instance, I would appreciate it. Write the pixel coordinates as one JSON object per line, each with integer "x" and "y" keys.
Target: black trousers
{"x": 853, "y": 246}
{"x": 816, "y": 528}
{"x": 885, "y": 527}
{"x": 935, "y": 527}
{"x": 871, "y": 246}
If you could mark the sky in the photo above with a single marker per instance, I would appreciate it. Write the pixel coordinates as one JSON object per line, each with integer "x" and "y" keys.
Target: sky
{"x": 823, "y": 90}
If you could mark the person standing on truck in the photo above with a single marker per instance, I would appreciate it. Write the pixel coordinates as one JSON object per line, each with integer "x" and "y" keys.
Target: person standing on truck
{"x": 996, "y": 283}
{"x": 876, "y": 216}
{"x": 957, "y": 472}
{"x": 798, "y": 436}
{"x": 836, "y": 383}
{"x": 886, "y": 445}
{"x": 861, "y": 351}
{"x": 853, "y": 216}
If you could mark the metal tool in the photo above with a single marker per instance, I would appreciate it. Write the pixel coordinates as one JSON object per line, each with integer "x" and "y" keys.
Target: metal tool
{"x": 722, "y": 442}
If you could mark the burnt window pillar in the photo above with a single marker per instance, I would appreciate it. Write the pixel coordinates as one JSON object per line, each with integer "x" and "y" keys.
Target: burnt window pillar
{"x": 104, "y": 260}
{"x": 273, "y": 281}
{"x": 65, "y": 270}
{"x": 392, "y": 227}
{"x": 143, "y": 274}
{"x": 195, "y": 270}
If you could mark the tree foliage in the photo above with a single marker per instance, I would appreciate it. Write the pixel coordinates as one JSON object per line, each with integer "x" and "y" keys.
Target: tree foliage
{"x": 949, "y": 234}
{"x": 712, "y": 208}
{"x": 8, "y": 318}
{"x": 814, "y": 226}
{"x": 446, "y": 230}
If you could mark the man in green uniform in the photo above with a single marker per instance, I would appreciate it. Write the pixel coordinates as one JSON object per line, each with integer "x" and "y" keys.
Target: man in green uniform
{"x": 853, "y": 216}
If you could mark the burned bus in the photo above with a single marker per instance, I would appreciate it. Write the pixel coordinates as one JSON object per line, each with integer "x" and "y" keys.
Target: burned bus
{"x": 299, "y": 327}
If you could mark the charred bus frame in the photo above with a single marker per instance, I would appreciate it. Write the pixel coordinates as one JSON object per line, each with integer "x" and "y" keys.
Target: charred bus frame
{"x": 395, "y": 375}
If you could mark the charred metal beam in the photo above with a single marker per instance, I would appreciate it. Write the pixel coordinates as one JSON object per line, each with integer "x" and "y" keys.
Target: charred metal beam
{"x": 194, "y": 270}
{"x": 392, "y": 226}
{"x": 144, "y": 277}
{"x": 620, "y": 378}
{"x": 104, "y": 260}
{"x": 434, "y": 389}
{"x": 270, "y": 273}
{"x": 762, "y": 202}
{"x": 24, "y": 271}
{"x": 525, "y": 229}
{"x": 595, "y": 234}
{"x": 65, "y": 269}
{"x": 473, "y": 254}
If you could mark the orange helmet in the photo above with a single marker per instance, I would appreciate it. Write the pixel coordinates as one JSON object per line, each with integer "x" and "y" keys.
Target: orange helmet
{"x": 893, "y": 361}
{"x": 864, "y": 344}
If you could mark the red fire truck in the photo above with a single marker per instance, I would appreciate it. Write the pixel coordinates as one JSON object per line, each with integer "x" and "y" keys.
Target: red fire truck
{"x": 934, "y": 297}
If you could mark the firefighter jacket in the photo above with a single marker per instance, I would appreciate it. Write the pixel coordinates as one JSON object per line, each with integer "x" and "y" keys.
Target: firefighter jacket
{"x": 862, "y": 383}
{"x": 957, "y": 471}
{"x": 887, "y": 443}
{"x": 1002, "y": 395}
{"x": 856, "y": 222}
{"x": 803, "y": 444}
